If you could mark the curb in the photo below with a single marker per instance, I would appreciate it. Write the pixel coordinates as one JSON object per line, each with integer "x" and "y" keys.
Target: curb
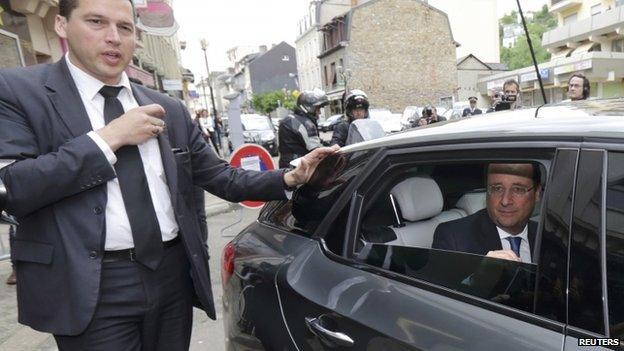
{"x": 217, "y": 209}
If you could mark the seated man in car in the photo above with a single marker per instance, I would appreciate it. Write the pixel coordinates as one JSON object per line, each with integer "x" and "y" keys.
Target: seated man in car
{"x": 502, "y": 229}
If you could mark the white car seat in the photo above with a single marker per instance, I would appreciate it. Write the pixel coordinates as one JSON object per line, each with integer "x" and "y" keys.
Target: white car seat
{"x": 421, "y": 203}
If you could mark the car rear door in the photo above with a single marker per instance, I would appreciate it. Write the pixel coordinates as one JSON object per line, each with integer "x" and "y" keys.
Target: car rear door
{"x": 334, "y": 299}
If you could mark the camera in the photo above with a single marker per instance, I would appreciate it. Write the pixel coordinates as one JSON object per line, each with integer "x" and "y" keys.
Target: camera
{"x": 504, "y": 102}
{"x": 427, "y": 112}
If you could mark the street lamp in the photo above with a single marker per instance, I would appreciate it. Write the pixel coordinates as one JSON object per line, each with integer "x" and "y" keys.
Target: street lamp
{"x": 204, "y": 47}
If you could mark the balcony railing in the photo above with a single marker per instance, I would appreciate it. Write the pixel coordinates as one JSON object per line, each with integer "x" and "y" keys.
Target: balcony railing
{"x": 603, "y": 23}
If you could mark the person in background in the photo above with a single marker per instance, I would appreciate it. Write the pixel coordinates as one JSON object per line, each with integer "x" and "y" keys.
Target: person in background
{"x": 472, "y": 110}
{"x": 298, "y": 132}
{"x": 578, "y": 87}
{"x": 429, "y": 116}
{"x": 356, "y": 107}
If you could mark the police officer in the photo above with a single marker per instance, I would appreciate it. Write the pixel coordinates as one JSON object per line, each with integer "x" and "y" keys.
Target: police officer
{"x": 298, "y": 132}
{"x": 472, "y": 110}
{"x": 356, "y": 107}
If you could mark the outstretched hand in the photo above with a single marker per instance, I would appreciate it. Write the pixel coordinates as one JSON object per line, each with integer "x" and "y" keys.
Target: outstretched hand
{"x": 307, "y": 165}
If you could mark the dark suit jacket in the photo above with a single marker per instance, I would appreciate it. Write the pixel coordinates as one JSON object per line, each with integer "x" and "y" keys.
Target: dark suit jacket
{"x": 467, "y": 112}
{"x": 57, "y": 189}
{"x": 474, "y": 234}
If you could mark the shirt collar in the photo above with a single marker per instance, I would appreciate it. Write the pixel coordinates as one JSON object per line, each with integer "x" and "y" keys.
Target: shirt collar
{"x": 89, "y": 85}
{"x": 524, "y": 234}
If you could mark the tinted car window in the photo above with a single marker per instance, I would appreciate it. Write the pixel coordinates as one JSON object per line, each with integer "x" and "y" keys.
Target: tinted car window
{"x": 397, "y": 236}
{"x": 585, "y": 293}
{"x": 615, "y": 244}
{"x": 312, "y": 202}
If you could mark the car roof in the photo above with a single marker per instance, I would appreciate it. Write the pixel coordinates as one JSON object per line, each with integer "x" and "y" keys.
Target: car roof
{"x": 588, "y": 118}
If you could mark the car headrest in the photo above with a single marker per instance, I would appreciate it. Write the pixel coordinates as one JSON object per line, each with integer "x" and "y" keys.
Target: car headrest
{"x": 418, "y": 198}
{"x": 472, "y": 202}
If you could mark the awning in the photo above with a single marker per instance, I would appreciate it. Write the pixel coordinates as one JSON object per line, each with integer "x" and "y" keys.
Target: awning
{"x": 157, "y": 19}
{"x": 583, "y": 49}
{"x": 561, "y": 54}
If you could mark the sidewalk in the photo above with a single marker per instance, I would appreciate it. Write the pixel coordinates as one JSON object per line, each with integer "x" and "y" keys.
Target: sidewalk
{"x": 16, "y": 337}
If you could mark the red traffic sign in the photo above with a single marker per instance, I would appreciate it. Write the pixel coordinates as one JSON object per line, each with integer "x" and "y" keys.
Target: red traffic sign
{"x": 252, "y": 157}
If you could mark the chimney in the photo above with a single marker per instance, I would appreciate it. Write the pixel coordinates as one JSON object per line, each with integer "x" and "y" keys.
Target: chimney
{"x": 354, "y": 3}
{"x": 263, "y": 49}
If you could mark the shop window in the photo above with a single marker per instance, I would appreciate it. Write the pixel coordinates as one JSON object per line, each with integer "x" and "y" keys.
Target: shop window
{"x": 617, "y": 45}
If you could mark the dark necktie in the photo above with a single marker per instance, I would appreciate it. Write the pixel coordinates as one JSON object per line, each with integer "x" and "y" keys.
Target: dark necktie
{"x": 134, "y": 190}
{"x": 515, "y": 244}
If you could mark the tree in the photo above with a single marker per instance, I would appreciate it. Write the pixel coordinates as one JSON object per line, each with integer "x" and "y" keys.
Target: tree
{"x": 270, "y": 101}
{"x": 520, "y": 56}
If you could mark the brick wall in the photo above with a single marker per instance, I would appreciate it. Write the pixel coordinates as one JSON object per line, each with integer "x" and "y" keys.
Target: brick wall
{"x": 401, "y": 53}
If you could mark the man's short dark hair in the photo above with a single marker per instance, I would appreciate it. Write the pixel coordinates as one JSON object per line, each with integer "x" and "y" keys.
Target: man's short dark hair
{"x": 586, "y": 86}
{"x": 66, "y": 7}
{"x": 512, "y": 81}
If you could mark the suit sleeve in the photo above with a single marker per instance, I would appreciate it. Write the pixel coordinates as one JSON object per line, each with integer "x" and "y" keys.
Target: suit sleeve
{"x": 443, "y": 238}
{"x": 219, "y": 178}
{"x": 37, "y": 180}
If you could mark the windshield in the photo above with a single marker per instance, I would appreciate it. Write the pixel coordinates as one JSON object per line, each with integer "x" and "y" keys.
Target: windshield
{"x": 256, "y": 123}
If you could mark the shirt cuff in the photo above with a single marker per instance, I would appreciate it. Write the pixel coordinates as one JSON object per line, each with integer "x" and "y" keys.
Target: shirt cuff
{"x": 108, "y": 152}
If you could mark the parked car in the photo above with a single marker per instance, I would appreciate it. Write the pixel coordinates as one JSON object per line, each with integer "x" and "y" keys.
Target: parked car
{"x": 258, "y": 129}
{"x": 347, "y": 263}
{"x": 410, "y": 117}
{"x": 329, "y": 124}
{"x": 390, "y": 122}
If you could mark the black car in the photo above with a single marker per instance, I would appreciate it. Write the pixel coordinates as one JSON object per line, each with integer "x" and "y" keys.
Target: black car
{"x": 348, "y": 263}
{"x": 259, "y": 129}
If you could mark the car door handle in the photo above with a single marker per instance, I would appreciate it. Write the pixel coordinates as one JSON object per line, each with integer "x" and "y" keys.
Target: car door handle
{"x": 340, "y": 339}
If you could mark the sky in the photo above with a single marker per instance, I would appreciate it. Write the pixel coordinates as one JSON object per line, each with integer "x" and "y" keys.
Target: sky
{"x": 229, "y": 23}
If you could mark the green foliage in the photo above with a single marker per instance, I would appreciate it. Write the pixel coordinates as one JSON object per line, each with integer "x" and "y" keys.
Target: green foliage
{"x": 269, "y": 102}
{"x": 520, "y": 56}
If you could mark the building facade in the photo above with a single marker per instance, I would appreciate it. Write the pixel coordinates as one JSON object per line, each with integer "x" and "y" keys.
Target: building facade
{"x": 376, "y": 47}
{"x": 469, "y": 71}
{"x": 588, "y": 39}
{"x": 27, "y": 35}
{"x": 308, "y": 47}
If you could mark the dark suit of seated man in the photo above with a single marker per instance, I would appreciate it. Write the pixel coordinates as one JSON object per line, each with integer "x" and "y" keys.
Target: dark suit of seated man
{"x": 502, "y": 229}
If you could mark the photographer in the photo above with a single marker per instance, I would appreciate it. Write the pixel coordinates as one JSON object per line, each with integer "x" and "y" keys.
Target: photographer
{"x": 507, "y": 99}
{"x": 429, "y": 116}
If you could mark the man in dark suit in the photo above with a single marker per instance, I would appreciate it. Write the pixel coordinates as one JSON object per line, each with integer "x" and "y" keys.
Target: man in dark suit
{"x": 502, "y": 229}
{"x": 472, "y": 110}
{"x": 109, "y": 254}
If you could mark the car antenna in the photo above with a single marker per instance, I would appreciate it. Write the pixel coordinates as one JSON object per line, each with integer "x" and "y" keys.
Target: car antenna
{"x": 526, "y": 32}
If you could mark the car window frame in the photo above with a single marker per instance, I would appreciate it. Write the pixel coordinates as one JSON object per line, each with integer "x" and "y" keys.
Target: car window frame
{"x": 357, "y": 203}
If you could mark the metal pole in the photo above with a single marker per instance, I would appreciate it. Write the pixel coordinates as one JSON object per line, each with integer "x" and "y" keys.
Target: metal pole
{"x": 204, "y": 89}
{"x": 214, "y": 108}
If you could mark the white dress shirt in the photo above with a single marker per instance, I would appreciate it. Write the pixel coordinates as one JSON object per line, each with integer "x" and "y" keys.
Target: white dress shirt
{"x": 525, "y": 247}
{"x": 118, "y": 232}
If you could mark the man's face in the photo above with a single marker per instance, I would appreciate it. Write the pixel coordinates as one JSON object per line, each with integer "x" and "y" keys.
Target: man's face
{"x": 575, "y": 88}
{"x": 473, "y": 103}
{"x": 101, "y": 37}
{"x": 358, "y": 113}
{"x": 508, "y": 210}
{"x": 510, "y": 89}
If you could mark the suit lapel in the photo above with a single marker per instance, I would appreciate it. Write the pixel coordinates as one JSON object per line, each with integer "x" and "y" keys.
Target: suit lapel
{"x": 66, "y": 100}
{"x": 166, "y": 153}
{"x": 490, "y": 240}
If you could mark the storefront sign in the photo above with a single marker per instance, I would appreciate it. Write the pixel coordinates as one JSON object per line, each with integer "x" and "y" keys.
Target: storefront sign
{"x": 10, "y": 50}
{"x": 544, "y": 72}
{"x": 578, "y": 66}
{"x": 498, "y": 84}
{"x": 172, "y": 84}
{"x": 144, "y": 76}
